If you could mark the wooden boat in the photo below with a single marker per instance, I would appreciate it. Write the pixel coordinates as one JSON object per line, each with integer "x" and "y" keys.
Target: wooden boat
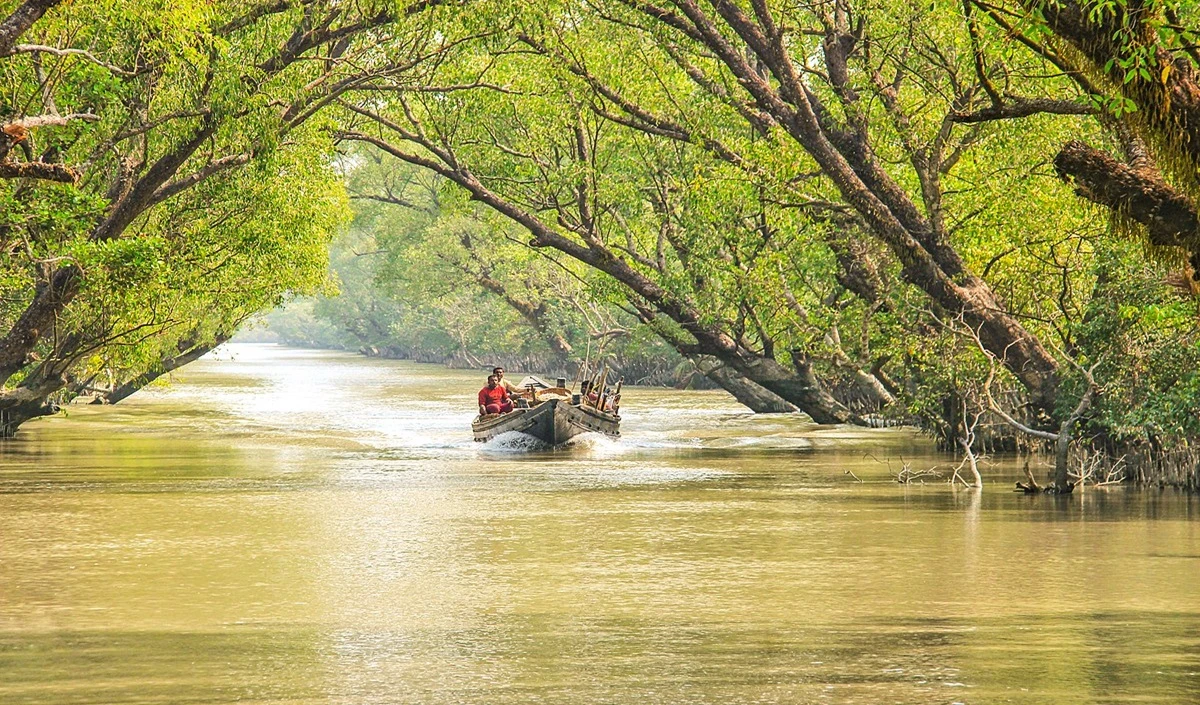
{"x": 552, "y": 421}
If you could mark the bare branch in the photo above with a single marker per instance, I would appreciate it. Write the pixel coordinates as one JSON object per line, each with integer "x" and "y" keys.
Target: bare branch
{"x": 29, "y": 123}
{"x": 43, "y": 49}
{"x": 393, "y": 200}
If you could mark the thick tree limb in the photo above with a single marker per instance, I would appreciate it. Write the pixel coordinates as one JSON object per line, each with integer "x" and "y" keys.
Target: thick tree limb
{"x": 257, "y": 13}
{"x": 189, "y": 351}
{"x": 35, "y": 121}
{"x": 39, "y": 318}
{"x": 1017, "y": 107}
{"x": 1170, "y": 216}
{"x": 1166, "y": 89}
{"x": 381, "y": 198}
{"x": 38, "y": 170}
{"x": 186, "y": 182}
{"x": 17, "y": 131}
{"x": 753, "y": 396}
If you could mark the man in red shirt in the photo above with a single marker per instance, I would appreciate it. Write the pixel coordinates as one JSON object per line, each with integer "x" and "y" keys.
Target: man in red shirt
{"x": 493, "y": 399}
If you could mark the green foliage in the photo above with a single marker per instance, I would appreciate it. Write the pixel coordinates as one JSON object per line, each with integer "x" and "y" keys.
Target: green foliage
{"x": 251, "y": 214}
{"x": 1145, "y": 337}
{"x": 661, "y": 161}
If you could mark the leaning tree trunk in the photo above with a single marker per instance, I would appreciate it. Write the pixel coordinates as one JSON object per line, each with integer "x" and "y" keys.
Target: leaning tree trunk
{"x": 753, "y": 396}
{"x": 801, "y": 387}
{"x": 38, "y": 319}
{"x": 12, "y": 417}
{"x": 29, "y": 400}
{"x": 190, "y": 353}
{"x": 535, "y": 314}
{"x": 1137, "y": 193}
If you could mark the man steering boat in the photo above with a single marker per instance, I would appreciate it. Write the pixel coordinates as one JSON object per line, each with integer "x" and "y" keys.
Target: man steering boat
{"x": 498, "y": 372}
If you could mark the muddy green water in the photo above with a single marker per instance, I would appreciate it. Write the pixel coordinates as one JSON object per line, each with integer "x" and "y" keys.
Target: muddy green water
{"x": 283, "y": 526}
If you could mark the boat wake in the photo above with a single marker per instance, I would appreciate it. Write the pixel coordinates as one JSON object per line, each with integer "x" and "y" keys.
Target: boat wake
{"x": 596, "y": 443}
{"x": 514, "y": 442}
{"x": 517, "y": 442}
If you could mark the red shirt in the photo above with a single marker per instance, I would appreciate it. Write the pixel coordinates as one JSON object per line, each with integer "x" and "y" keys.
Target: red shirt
{"x": 492, "y": 395}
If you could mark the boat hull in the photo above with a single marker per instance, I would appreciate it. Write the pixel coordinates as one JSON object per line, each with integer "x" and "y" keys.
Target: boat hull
{"x": 553, "y": 422}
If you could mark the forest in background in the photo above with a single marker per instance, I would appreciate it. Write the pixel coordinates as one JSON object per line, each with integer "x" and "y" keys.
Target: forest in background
{"x": 418, "y": 281}
{"x": 978, "y": 216}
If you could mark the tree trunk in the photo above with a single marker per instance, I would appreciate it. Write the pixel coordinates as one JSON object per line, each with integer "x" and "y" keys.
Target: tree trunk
{"x": 190, "y": 353}
{"x": 29, "y": 400}
{"x": 753, "y": 396}
{"x": 12, "y": 417}
{"x": 534, "y": 314}
{"x": 872, "y": 388}
{"x": 801, "y": 387}
{"x": 1062, "y": 452}
{"x": 38, "y": 318}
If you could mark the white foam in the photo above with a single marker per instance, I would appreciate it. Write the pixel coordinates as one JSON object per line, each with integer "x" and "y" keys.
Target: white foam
{"x": 513, "y": 442}
{"x": 596, "y": 443}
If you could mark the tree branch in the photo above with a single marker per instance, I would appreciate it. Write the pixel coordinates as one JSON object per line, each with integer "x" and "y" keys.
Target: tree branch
{"x": 38, "y": 170}
{"x": 43, "y": 49}
{"x": 182, "y": 184}
{"x": 1169, "y": 215}
{"x": 19, "y": 22}
{"x": 1018, "y": 107}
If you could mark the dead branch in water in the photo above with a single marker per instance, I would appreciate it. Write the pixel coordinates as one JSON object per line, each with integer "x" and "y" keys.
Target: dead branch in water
{"x": 1033, "y": 486}
{"x": 967, "y": 442}
{"x": 1063, "y": 437}
{"x": 906, "y": 473}
{"x": 1090, "y": 464}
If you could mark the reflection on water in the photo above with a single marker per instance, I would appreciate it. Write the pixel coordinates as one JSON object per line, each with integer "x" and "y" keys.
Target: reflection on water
{"x": 284, "y": 526}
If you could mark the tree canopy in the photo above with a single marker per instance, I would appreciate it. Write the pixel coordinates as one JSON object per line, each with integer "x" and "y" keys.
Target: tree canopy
{"x": 978, "y": 215}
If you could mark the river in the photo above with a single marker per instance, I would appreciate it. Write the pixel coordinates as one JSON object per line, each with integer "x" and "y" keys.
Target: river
{"x": 289, "y": 526}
